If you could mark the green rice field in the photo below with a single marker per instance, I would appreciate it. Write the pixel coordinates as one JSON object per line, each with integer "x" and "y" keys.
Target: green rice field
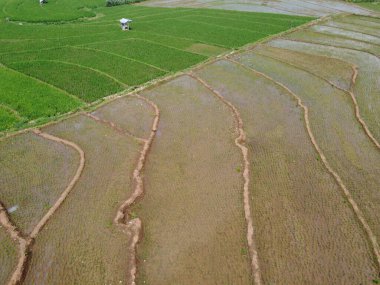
{"x": 72, "y": 54}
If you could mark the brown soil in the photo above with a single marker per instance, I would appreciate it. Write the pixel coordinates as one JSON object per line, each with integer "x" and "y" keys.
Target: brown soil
{"x": 47, "y": 169}
{"x": 24, "y": 243}
{"x": 338, "y": 160}
{"x": 193, "y": 216}
{"x": 298, "y": 212}
{"x": 367, "y": 82}
{"x": 80, "y": 243}
{"x": 121, "y": 219}
{"x": 239, "y": 141}
{"x": 298, "y": 60}
{"x": 130, "y": 114}
{"x": 8, "y": 255}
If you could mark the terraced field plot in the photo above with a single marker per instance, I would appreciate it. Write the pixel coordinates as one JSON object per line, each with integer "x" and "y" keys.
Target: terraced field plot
{"x": 71, "y": 64}
{"x": 260, "y": 166}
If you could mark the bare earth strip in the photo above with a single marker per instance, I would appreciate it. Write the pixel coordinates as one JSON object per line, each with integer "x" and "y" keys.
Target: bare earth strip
{"x": 348, "y": 155}
{"x": 192, "y": 212}
{"x": 300, "y": 218}
{"x": 123, "y": 213}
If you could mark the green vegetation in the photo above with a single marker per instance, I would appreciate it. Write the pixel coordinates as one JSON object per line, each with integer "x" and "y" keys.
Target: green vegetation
{"x": 85, "y": 83}
{"x": 371, "y": 5}
{"x": 7, "y": 118}
{"x": 32, "y": 99}
{"x": 76, "y": 52}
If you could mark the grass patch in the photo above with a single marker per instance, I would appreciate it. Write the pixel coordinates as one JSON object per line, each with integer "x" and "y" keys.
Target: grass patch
{"x": 33, "y": 99}
{"x": 82, "y": 82}
{"x": 166, "y": 58}
{"x": 7, "y": 118}
{"x": 375, "y": 6}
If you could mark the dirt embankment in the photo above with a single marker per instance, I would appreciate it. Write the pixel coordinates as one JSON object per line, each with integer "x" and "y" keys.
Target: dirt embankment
{"x": 239, "y": 141}
{"x": 346, "y": 192}
{"x": 25, "y": 243}
{"x": 349, "y": 92}
{"x": 134, "y": 226}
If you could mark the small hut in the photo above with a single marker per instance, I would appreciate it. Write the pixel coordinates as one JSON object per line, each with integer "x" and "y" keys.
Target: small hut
{"x": 125, "y": 24}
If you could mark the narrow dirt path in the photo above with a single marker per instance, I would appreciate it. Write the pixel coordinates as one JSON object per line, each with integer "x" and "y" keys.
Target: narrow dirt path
{"x": 25, "y": 243}
{"x": 347, "y": 194}
{"x": 239, "y": 141}
{"x": 115, "y": 127}
{"x": 349, "y": 92}
{"x": 134, "y": 226}
{"x": 71, "y": 185}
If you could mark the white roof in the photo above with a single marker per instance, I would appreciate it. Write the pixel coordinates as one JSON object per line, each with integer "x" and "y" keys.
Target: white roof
{"x": 124, "y": 20}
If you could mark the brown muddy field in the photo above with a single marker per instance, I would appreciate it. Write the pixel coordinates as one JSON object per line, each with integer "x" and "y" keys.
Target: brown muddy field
{"x": 8, "y": 256}
{"x": 258, "y": 167}
{"x": 33, "y": 174}
{"x": 293, "y": 198}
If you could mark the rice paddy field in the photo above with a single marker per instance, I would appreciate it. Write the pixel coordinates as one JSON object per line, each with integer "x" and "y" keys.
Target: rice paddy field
{"x": 216, "y": 142}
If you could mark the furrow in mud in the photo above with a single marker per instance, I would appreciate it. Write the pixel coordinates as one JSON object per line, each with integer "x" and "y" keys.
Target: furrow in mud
{"x": 239, "y": 141}
{"x": 357, "y": 211}
{"x": 122, "y": 218}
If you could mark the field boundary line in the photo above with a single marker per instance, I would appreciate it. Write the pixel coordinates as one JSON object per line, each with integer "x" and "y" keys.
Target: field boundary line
{"x": 346, "y": 192}
{"x": 26, "y": 243}
{"x": 119, "y": 55}
{"x": 362, "y": 22}
{"x": 13, "y": 111}
{"x": 71, "y": 185}
{"x": 357, "y": 109}
{"x": 122, "y": 218}
{"x": 144, "y": 40}
{"x": 47, "y": 83}
{"x": 349, "y": 92}
{"x": 225, "y": 18}
{"x": 326, "y": 33}
{"x": 78, "y": 65}
{"x": 240, "y": 143}
{"x": 330, "y": 45}
{"x": 113, "y": 126}
{"x": 93, "y": 69}
{"x": 288, "y": 21}
{"x": 23, "y": 244}
{"x": 349, "y": 30}
{"x": 224, "y": 27}
{"x": 258, "y": 15}
{"x": 329, "y": 7}
{"x": 190, "y": 40}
